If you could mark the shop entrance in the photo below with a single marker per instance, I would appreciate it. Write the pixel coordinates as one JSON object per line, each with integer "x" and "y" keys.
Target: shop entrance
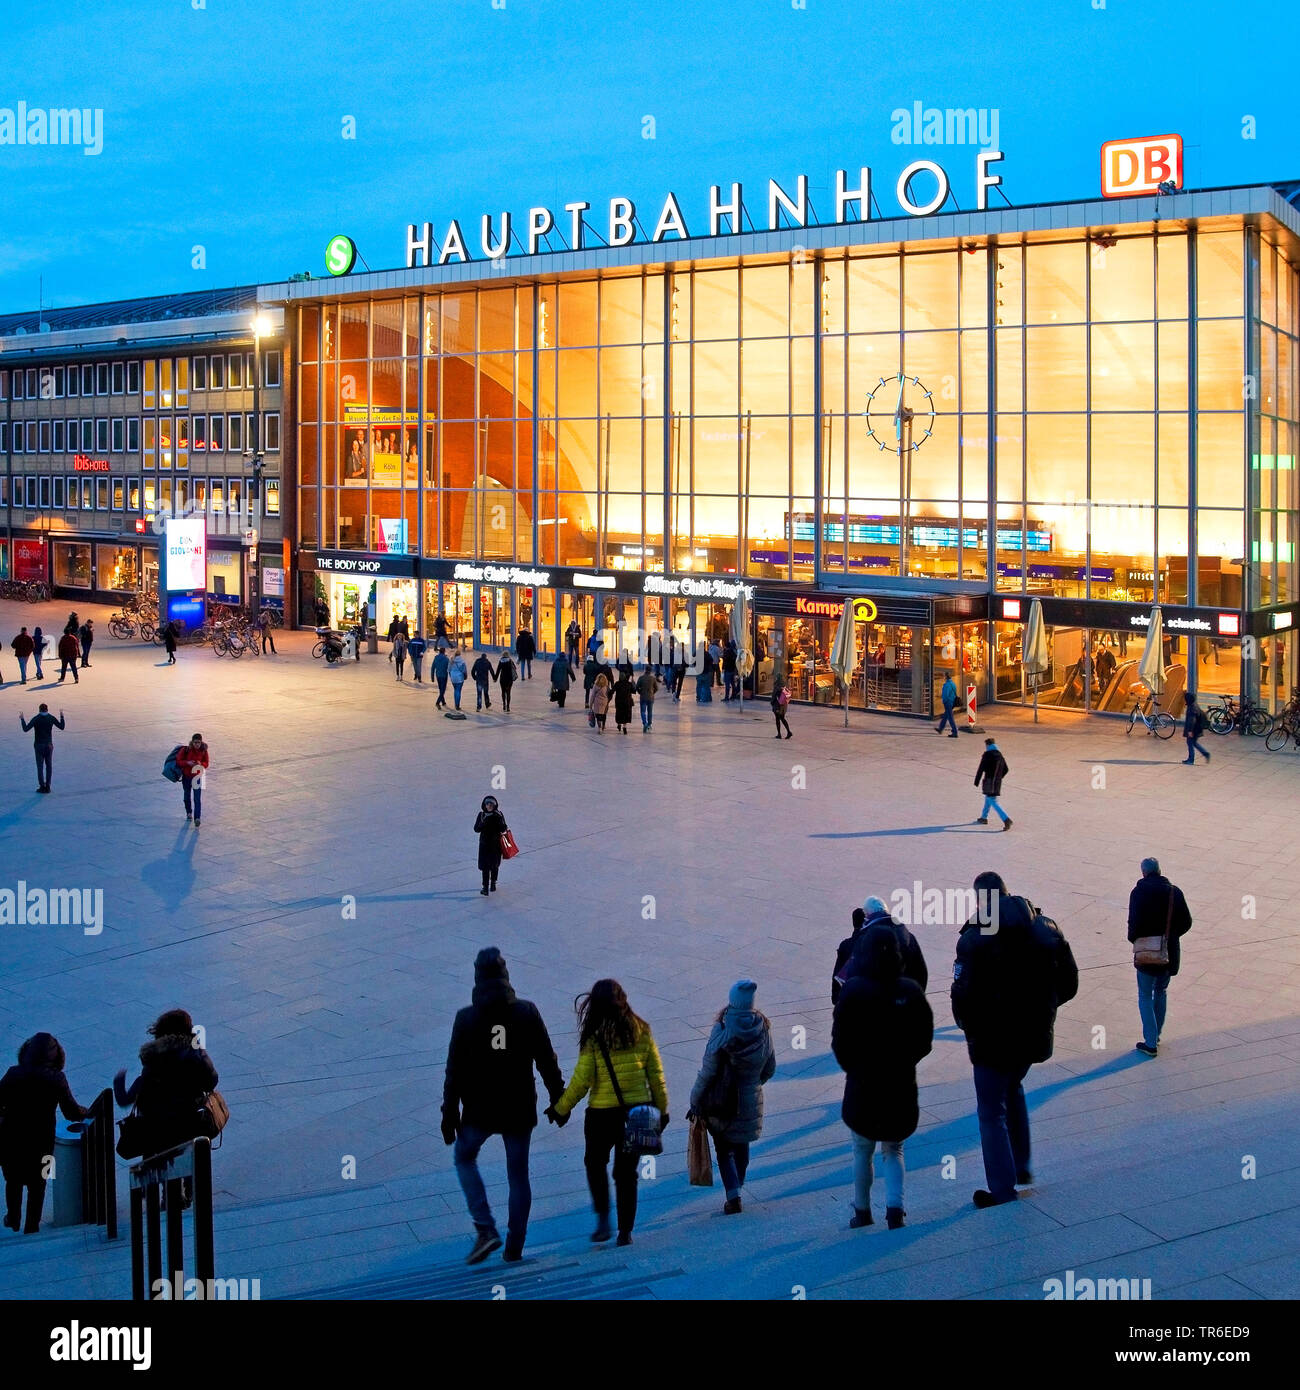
{"x": 579, "y": 608}
{"x": 495, "y": 616}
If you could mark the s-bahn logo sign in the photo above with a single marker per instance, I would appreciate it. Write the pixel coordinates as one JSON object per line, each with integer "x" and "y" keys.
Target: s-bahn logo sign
{"x": 921, "y": 189}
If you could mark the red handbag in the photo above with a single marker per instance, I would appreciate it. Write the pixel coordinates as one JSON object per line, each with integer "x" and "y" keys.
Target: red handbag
{"x": 508, "y": 847}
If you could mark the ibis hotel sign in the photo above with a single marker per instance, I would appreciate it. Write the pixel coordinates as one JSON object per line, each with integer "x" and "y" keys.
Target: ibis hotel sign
{"x": 920, "y": 190}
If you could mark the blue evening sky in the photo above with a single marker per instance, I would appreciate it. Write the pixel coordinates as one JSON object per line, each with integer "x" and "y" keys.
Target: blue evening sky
{"x": 222, "y": 125}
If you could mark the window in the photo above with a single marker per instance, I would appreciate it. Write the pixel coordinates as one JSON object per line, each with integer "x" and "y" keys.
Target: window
{"x": 4, "y": 386}
{"x": 101, "y": 494}
{"x": 165, "y": 496}
{"x": 29, "y": 487}
{"x": 133, "y": 435}
{"x": 29, "y": 436}
{"x": 72, "y": 382}
{"x": 218, "y": 494}
{"x": 235, "y": 433}
{"x": 132, "y": 378}
{"x": 87, "y": 494}
{"x": 164, "y": 383}
{"x": 216, "y": 433}
{"x": 133, "y": 494}
{"x": 200, "y": 486}
{"x": 119, "y": 378}
{"x": 271, "y": 431}
{"x": 87, "y": 436}
{"x": 101, "y": 379}
{"x": 60, "y": 428}
{"x": 150, "y": 497}
{"x": 182, "y": 381}
{"x": 58, "y": 382}
{"x": 249, "y": 374}
{"x": 4, "y": 490}
{"x": 199, "y": 373}
{"x": 164, "y": 441}
{"x": 101, "y": 436}
{"x": 217, "y": 376}
{"x": 18, "y": 383}
{"x": 150, "y": 384}
{"x": 4, "y": 436}
{"x": 119, "y": 435}
{"x": 119, "y": 488}
{"x": 18, "y": 436}
{"x": 235, "y": 379}
{"x": 234, "y": 495}
{"x": 71, "y": 565}
{"x": 44, "y": 436}
{"x": 250, "y": 425}
{"x": 33, "y": 386}
{"x": 271, "y": 369}
{"x": 199, "y": 433}
{"x": 87, "y": 379}
{"x": 73, "y": 493}
{"x": 150, "y": 441}
{"x": 45, "y": 492}
{"x": 271, "y": 487}
{"x": 60, "y": 491}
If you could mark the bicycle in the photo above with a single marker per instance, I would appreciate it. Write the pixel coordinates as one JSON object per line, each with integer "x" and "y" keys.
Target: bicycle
{"x": 1248, "y": 718}
{"x": 1285, "y": 726}
{"x": 1157, "y": 722}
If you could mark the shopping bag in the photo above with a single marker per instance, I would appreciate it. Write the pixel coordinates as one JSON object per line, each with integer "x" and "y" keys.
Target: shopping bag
{"x": 699, "y": 1161}
{"x": 508, "y": 847}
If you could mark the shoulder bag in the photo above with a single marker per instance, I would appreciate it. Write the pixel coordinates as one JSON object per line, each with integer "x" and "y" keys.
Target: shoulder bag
{"x": 508, "y": 847}
{"x": 1154, "y": 950}
{"x": 130, "y": 1137}
{"x": 213, "y": 1115}
{"x": 642, "y": 1124}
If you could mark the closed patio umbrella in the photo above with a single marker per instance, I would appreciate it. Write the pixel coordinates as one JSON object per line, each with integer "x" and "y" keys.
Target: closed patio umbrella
{"x": 844, "y": 653}
{"x": 1034, "y": 659}
{"x": 740, "y": 636}
{"x": 1152, "y": 666}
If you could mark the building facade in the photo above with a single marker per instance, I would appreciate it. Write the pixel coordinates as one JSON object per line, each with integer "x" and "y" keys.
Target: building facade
{"x": 114, "y": 417}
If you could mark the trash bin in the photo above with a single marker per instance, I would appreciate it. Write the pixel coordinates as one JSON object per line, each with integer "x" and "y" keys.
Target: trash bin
{"x": 372, "y": 640}
{"x": 69, "y": 1155}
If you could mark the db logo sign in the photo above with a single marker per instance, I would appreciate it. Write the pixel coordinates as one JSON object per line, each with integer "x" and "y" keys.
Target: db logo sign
{"x": 1130, "y": 167}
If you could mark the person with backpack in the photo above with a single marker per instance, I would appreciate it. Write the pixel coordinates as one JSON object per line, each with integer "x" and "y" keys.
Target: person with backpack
{"x": 949, "y": 697}
{"x": 458, "y": 674}
{"x": 1157, "y": 921}
{"x": 42, "y": 726}
{"x": 398, "y": 653}
{"x": 882, "y": 1028}
{"x": 780, "y": 703}
{"x": 484, "y": 674}
{"x": 69, "y": 650}
{"x": 1194, "y": 724}
{"x": 875, "y": 913}
{"x": 488, "y": 1089}
{"x": 1014, "y": 969}
{"x": 30, "y": 1093}
{"x": 489, "y": 825}
{"x": 623, "y": 693}
{"x": 415, "y": 649}
{"x": 739, "y": 1060}
{"x": 599, "y": 705}
{"x": 192, "y": 763}
{"x": 526, "y": 648}
{"x": 988, "y": 777}
{"x": 504, "y": 676}
{"x": 619, "y": 1064}
{"x": 647, "y": 687}
{"x": 176, "y": 1077}
{"x": 561, "y": 678}
{"x": 23, "y": 646}
{"x": 86, "y": 632}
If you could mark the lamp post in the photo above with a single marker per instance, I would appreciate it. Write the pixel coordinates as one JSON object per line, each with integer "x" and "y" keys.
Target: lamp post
{"x": 261, "y": 327}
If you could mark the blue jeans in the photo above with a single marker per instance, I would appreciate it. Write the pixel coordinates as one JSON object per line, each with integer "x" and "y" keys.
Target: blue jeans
{"x": 1195, "y": 744}
{"x": 991, "y": 803}
{"x": 891, "y": 1161}
{"x": 647, "y": 713}
{"x": 456, "y": 687}
{"x": 731, "y": 685}
{"x": 1004, "y": 1127}
{"x": 468, "y": 1143}
{"x": 733, "y": 1164}
{"x": 526, "y": 667}
{"x": 949, "y": 718}
{"x": 483, "y": 694}
{"x": 22, "y": 666}
{"x": 193, "y": 794}
{"x": 1152, "y": 995}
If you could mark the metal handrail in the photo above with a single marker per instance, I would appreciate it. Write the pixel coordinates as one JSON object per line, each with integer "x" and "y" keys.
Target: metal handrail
{"x": 193, "y": 1160}
{"x": 99, "y": 1166}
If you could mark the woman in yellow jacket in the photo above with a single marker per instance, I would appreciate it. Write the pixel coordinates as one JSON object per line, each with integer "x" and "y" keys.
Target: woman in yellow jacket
{"x": 608, "y": 1029}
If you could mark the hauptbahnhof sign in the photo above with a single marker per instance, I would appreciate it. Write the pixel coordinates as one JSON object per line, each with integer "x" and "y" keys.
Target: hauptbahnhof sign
{"x": 496, "y": 234}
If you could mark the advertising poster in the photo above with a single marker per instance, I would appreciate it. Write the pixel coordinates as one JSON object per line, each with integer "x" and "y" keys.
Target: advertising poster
{"x": 186, "y": 565}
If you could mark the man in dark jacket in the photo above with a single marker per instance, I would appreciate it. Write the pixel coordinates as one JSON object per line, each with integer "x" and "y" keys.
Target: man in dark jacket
{"x": 875, "y": 913}
{"x": 526, "y": 647}
{"x": 484, "y": 674}
{"x": 1156, "y": 906}
{"x": 1013, "y": 969}
{"x": 489, "y": 1089}
{"x": 988, "y": 777}
{"x": 1193, "y": 728}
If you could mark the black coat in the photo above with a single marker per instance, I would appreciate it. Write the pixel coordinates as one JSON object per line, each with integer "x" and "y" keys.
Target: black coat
{"x": 490, "y": 825}
{"x": 174, "y": 1079}
{"x": 881, "y": 1030}
{"x": 1148, "y": 910}
{"x": 992, "y": 769}
{"x": 29, "y": 1096}
{"x": 1007, "y": 984}
{"x": 624, "y": 691}
{"x": 492, "y": 1088}
{"x": 525, "y": 646}
{"x": 914, "y": 966}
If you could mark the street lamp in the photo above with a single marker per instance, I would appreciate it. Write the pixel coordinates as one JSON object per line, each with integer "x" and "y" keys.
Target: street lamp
{"x": 261, "y": 328}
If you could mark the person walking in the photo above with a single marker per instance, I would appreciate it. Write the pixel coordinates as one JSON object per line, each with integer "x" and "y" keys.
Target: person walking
{"x": 600, "y": 702}
{"x": 505, "y": 678}
{"x": 590, "y": 670}
{"x": 875, "y": 913}
{"x": 730, "y": 672}
{"x": 623, "y": 693}
{"x": 484, "y": 674}
{"x": 69, "y": 650}
{"x": 988, "y": 777}
{"x": 30, "y": 1093}
{"x": 715, "y": 662}
{"x": 440, "y": 629}
{"x": 268, "y": 632}
{"x": 42, "y": 726}
{"x": 1014, "y": 969}
{"x": 398, "y": 654}
{"x": 169, "y": 641}
{"x": 23, "y": 646}
{"x": 192, "y": 761}
{"x": 706, "y": 678}
{"x": 728, "y": 1093}
{"x": 86, "y": 632}
{"x": 1157, "y": 911}
{"x": 572, "y": 642}
{"x": 618, "y": 1067}
{"x": 489, "y": 825}
{"x": 175, "y": 1078}
{"x": 1193, "y": 727}
{"x": 488, "y": 1089}
{"x": 416, "y": 649}
{"x": 647, "y": 687}
{"x": 441, "y": 667}
{"x": 679, "y": 655}
{"x": 883, "y": 1026}
{"x": 949, "y": 697}
{"x": 39, "y": 640}
{"x": 780, "y": 703}
{"x": 526, "y": 647}
{"x": 561, "y": 678}
{"x": 458, "y": 674}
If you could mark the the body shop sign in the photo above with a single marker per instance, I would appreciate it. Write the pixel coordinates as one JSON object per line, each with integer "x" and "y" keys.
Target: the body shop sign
{"x": 187, "y": 562}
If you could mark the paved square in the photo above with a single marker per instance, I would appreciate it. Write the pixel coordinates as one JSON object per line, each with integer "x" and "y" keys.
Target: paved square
{"x": 334, "y": 784}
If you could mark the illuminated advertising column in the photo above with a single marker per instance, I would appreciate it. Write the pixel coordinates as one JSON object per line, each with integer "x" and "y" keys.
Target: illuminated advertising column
{"x": 185, "y": 570}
